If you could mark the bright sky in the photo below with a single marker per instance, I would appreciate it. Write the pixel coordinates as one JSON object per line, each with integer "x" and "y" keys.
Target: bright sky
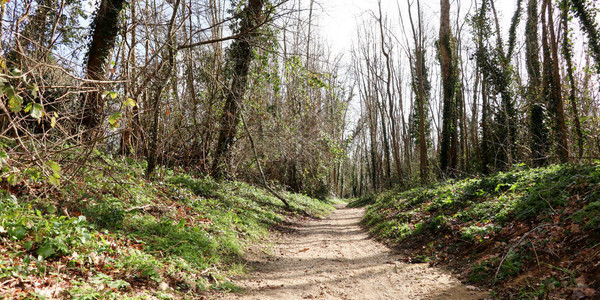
{"x": 339, "y": 18}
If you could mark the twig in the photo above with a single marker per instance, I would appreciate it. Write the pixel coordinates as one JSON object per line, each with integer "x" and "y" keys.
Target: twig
{"x": 207, "y": 270}
{"x": 7, "y": 282}
{"x": 536, "y": 256}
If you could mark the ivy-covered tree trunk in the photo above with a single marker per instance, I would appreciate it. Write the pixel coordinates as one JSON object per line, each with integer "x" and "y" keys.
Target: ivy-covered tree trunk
{"x": 568, "y": 54}
{"x": 449, "y": 143}
{"x": 241, "y": 56}
{"x": 537, "y": 124}
{"x": 485, "y": 146}
{"x": 584, "y": 12}
{"x": 105, "y": 29}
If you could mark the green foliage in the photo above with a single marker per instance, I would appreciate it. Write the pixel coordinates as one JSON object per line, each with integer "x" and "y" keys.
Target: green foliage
{"x": 41, "y": 234}
{"x": 477, "y": 211}
{"x": 141, "y": 265}
{"x": 129, "y": 231}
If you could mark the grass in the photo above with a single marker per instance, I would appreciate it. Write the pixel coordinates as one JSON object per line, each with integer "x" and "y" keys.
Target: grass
{"x": 112, "y": 235}
{"x": 497, "y": 230}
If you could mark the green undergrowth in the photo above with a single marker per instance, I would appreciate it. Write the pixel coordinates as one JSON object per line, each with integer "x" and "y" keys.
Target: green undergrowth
{"x": 109, "y": 234}
{"x": 516, "y": 231}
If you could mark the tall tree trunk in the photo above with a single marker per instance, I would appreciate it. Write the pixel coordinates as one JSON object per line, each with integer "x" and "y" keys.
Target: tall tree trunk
{"x": 106, "y": 28}
{"x": 388, "y": 88}
{"x": 486, "y": 143}
{"x": 537, "y": 125}
{"x": 449, "y": 142}
{"x": 386, "y": 145}
{"x": 241, "y": 51}
{"x": 506, "y": 116}
{"x": 555, "y": 96}
{"x": 419, "y": 72}
{"x": 568, "y": 54}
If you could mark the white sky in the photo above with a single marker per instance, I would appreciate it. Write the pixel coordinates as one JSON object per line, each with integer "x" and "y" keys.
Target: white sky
{"x": 338, "y": 19}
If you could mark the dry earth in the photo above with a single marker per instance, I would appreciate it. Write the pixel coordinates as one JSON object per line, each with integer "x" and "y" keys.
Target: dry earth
{"x": 334, "y": 258}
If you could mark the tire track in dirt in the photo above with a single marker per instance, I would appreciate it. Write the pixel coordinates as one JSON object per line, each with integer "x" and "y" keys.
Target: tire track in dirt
{"x": 334, "y": 258}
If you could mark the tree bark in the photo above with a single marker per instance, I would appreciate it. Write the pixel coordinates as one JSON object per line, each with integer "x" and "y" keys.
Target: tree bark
{"x": 568, "y": 54}
{"x": 556, "y": 100}
{"x": 242, "y": 56}
{"x": 105, "y": 29}
{"x": 537, "y": 126}
{"x": 165, "y": 71}
{"x": 449, "y": 139}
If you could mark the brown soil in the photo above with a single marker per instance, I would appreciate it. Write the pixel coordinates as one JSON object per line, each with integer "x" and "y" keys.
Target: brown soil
{"x": 334, "y": 258}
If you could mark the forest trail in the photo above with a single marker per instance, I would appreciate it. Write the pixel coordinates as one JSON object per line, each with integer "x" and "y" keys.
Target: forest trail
{"x": 334, "y": 258}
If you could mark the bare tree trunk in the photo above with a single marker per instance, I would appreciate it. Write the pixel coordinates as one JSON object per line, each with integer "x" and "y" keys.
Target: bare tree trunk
{"x": 165, "y": 70}
{"x": 556, "y": 101}
{"x": 386, "y": 54}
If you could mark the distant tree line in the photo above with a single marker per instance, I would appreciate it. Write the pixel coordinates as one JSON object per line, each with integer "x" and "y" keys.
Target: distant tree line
{"x": 476, "y": 98}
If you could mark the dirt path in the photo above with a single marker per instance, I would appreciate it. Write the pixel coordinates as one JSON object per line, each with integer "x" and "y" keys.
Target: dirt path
{"x": 333, "y": 258}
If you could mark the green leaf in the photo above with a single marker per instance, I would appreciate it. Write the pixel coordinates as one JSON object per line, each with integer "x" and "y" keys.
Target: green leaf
{"x": 34, "y": 90}
{"x": 16, "y": 72}
{"x": 38, "y": 111}
{"x": 54, "y": 180}
{"x": 46, "y": 250}
{"x": 14, "y": 102}
{"x": 28, "y": 107}
{"x": 119, "y": 284}
{"x": 12, "y": 179}
{"x": 54, "y": 166}
{"x": 113, "y": 95}
{"x": 130, "y": 102}
{"x": 27, "y": 245}
{"x": 114, "y": 119}
{"x": 18, "y": 233}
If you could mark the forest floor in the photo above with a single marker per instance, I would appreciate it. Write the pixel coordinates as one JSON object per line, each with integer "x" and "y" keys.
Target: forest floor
{"x": 334, "y": 258}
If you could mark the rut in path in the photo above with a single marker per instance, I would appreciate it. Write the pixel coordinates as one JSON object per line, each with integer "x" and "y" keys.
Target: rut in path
{"x": 334, "y": 258}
